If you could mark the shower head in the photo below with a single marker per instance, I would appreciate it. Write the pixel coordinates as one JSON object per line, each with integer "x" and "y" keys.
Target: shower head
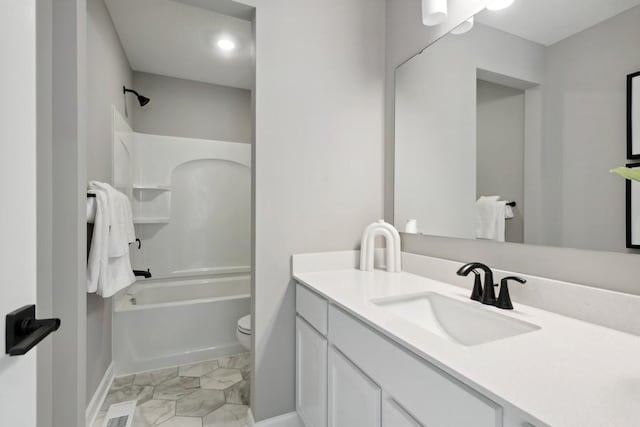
{"x": 143, "y": 100}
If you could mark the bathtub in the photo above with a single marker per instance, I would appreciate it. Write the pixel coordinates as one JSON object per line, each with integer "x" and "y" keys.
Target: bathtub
{"x": 164, "y": 323}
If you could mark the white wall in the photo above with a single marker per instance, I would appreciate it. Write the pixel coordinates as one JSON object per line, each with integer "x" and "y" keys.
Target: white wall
{"x": 192, "y": 109}
{"x": 107, "y": 71}
{"x": 208, "y": 206}
{"x": 319, "y": 158}
{"x": 435, "y": 125}
{"x": 599, "y": 269}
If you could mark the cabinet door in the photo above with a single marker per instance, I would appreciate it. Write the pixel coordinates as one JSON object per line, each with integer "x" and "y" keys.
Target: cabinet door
{"x": 393, "y": 415}
{"x": 311, "y": 375}
{"x": 354, "y": 400}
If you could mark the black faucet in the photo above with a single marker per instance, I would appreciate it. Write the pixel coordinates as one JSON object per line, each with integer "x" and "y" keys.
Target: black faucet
{"x": 142, "y": 273}
{"x": 504, "y": 299}
{"x": 488, "y": 295}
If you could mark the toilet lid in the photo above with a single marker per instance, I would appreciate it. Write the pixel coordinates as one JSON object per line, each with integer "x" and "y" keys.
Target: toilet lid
{"x": 244, "y": 324}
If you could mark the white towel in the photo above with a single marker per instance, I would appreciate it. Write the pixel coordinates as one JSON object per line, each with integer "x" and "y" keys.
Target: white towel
{"x": 97, "y": 252}
{"x": 120, "y": 219}
{"x": 491, "y": 215}
{"x": 109, "y": 267}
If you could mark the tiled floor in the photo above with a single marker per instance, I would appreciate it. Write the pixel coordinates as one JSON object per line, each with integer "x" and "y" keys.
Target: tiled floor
{"x": 208, "y": 394}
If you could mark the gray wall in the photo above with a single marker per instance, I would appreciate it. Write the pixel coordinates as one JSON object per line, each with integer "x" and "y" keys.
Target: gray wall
{"x": 436, "y": 129}
{"x": 318, "y": 163}
{"x": 500, "y": 149}
{"x": 68, "y": 158}
{"x": 107, "y": 71}
{"x": 405, "y": 36}
{"x": 44, "y": 32}
{"x": 192, "y": 109}
{"x": 585, "y": 134}
{"x": 435, "y": 124}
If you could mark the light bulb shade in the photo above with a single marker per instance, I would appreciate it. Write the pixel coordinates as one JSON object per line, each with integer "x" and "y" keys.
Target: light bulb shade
{"x": 465, "y": 27}
{"x": 499, "y": 4}
{"x": 434, "y": 12}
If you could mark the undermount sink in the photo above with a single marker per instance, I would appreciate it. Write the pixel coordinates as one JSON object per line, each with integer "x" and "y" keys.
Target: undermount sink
{"x": 467, "y": 324}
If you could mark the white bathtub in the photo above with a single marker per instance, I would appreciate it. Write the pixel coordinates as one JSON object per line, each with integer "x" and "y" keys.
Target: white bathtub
{"x": 163, "y": 323}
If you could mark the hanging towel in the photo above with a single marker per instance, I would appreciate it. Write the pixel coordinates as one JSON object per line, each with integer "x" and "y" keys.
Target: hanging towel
{"x": 491, "y": 214}
{"x": 98, "y": 240}
{"x": 120, "y": 219}
{"x": 109, "y": 267}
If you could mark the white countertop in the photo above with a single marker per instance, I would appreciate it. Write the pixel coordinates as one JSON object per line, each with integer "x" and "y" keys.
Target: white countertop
{"x": 568, "y": 373}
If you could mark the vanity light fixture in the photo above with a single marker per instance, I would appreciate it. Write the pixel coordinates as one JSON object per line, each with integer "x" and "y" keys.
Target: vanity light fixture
{"x": 434, "y": 12}
{"x": 499, "y": 4}
{"x": 465, "y": 27}
{"x": 226, "y": 44}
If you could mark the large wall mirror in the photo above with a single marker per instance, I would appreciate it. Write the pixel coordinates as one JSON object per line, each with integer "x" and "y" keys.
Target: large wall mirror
{"x": 508, "y": 131}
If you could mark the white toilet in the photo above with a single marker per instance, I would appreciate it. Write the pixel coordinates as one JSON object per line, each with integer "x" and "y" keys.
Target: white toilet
{"x": 243, "y": 332}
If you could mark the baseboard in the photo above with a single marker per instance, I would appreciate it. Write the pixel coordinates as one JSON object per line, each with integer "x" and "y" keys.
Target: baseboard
{"x": 286, "y": 420}
{"x": 98, "y": 397}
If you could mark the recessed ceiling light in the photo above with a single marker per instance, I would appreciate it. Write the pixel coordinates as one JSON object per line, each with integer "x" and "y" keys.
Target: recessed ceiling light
{"x": 226, "y": 44}
{"x": 499, "y": 4}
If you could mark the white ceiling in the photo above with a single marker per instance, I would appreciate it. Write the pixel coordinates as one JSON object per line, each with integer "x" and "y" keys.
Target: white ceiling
{"x": 548, "y": 21}
{"x": 225, "y": 7}
{"x": 175, "y": 39}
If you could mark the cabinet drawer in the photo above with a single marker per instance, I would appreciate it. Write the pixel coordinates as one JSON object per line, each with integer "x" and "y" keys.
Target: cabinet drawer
{"x": 434, "y": 398}
{"x": 313, "y": 308}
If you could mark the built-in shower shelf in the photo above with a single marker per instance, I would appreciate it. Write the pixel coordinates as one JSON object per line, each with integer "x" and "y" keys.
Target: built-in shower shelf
{"x": 151, "y": 220}
{"x": 143, "y": 187}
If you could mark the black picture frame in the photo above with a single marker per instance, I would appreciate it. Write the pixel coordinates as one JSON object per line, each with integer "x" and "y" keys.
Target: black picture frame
{"x": 629, "y": 209}
{"x": 630, "y": 112}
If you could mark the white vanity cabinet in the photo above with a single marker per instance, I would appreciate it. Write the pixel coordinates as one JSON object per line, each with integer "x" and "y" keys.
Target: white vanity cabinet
{"x": 349, "y": 375}
{"x": 394, "y": 415}
{"x": 354, "y": 399}
{"x": 311, "y": 375}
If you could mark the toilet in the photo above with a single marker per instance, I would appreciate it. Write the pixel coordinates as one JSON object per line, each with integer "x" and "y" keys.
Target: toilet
{"x": 243, "y": 331}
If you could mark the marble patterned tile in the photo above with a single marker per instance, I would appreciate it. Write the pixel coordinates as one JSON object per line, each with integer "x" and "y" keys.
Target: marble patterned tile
{"x": 227, "y": 416}
{"x": 122, "y": 381}
{"x": 126, "y": 393}
{"x": 182, "y": 422}
{"x": 198, "y": 369}
{"x": 176, "y": 388}
{"x": 246, "y": 373}
{"x": 240, "y": 361}
{"x": 153, "y": 412}
{"x": 100, "y": 418}
{"x": 238, "y": 393}
{"x": 154, "y": 378}
{"x": 221, "y": 379}
{"x": 200, "y": 403}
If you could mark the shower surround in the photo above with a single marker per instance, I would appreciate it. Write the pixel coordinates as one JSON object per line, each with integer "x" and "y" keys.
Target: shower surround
{"x": 191, "y": 201}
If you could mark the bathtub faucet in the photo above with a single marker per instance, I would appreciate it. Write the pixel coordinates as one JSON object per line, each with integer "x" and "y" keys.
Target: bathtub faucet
{"x": 142, "y": 273}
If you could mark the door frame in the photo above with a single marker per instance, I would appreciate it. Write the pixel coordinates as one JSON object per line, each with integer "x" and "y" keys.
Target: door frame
{"x": 61, "y": 181}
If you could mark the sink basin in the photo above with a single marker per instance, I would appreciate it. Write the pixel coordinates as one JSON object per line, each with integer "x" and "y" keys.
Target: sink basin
{"x": 467, "y": 324}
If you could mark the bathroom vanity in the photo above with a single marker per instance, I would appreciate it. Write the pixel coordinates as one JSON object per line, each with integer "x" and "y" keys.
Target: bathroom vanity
{"x": 404, "y": 349}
